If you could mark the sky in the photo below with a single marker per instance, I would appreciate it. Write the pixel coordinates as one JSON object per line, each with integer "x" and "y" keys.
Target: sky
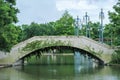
{"x": 44, "y": 11}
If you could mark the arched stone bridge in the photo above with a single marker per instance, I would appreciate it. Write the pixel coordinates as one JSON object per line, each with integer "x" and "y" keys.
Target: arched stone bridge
{"x": 99, "y": 51}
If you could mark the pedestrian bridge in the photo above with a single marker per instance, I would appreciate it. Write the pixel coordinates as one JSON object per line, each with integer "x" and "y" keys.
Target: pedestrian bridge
{"x": 96, "y": 50}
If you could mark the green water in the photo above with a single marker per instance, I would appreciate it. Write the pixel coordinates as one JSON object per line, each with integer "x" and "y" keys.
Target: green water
{"x": 60, "y": 68}
{"x": 60, "y": 72}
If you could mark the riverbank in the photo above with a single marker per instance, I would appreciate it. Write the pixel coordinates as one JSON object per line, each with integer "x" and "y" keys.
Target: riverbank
{"x": 4, "y": 66}
{"x": 1, "y": 67}
{"x": 114, "y": 64}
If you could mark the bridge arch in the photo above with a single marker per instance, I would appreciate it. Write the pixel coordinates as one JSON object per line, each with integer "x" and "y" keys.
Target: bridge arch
{"x": 38, "y": 52}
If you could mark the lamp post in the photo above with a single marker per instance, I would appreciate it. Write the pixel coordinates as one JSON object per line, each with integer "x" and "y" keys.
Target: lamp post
{"x": 77, "y": 20}
{"x": 86, "y": 18}
{"x": 101, "y": 16}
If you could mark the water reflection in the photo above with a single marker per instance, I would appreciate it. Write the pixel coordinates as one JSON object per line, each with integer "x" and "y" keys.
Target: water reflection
{"x": 83, "y": 68}
{"x": 81, "y": 62}
{"x": 56, "y": 71}
{"x": 59, "y": 72}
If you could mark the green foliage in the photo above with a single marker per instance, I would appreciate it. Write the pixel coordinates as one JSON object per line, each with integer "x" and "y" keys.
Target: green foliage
{"x": 42, "y": 44}
{"x": 115, "y": 23}
{"x": 116, "y": 57}
{"x": 9, "y": 36}
{"x": 112, "y": 31}
{"x": 94, "y": 34}
{"x": 9, "y": 33}
{"x": 12, "y": 1}
{"x": 7, "y": 12}
{"x": 64, "y": 26}
{"x": 109, "y": 36}
{"x": 94, "y": 27}
{"x": 35, "y": 29}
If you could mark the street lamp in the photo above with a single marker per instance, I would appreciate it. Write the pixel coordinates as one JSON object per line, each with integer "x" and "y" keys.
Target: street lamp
{"x": 77, "y": 25}
{"x": 86, "y": 18}
{"x": 101, "y": 16}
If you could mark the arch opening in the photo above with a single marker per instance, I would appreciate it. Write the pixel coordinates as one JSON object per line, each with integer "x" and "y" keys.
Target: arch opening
{"x": 58, "y": 50}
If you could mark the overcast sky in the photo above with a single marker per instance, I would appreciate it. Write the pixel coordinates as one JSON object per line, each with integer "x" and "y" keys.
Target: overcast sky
{"x": 43, "y": 11}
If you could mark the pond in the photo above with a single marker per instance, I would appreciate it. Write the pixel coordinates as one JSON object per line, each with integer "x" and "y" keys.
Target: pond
{"x": 69, "y": 68}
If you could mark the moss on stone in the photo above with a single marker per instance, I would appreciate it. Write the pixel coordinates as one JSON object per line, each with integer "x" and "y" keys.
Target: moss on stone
{"x": 99, "y": 53}
{"x": 44, "y": 43}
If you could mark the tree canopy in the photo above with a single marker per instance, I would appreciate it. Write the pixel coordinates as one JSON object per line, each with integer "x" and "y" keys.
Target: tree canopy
{"x": 115, "y": 23}
{"x": 8, "y": 31}
{"x": 8, "y": 12}
{"x": 63, "y": 26}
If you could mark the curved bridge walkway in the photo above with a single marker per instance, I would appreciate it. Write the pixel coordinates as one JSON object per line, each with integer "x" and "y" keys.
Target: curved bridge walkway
{"x": 94, "y": 48}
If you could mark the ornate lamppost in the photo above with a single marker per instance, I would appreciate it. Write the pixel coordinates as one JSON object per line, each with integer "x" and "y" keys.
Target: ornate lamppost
{"x": 101, "y": 16}
{"x": 86, "y": 18}
{"x": 77, "y": 24}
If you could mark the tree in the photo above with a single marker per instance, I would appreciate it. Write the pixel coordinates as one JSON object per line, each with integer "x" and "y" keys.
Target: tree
{"x": 8, "y": 32}
{"x": 114, "y": 29}
{"x": 115, "y": 22}
{"x": 64, "y": 26}
{"x": 31, "y": 30}
{"x": 108, "y": 34}
{"x": 35, "y": 29}
{"x": 94, "y": 34}
{"x": 8, "y": 12}
{"x": 9, "y": 36}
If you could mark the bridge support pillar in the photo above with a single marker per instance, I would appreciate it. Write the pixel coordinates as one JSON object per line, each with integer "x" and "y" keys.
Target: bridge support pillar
{"x": 101, "y": 63}
{"x": 20, "y": 62}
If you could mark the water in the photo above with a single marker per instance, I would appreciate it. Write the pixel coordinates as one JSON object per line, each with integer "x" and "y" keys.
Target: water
{"x": 60, "y": 72}
{"x": 79, "y": 68}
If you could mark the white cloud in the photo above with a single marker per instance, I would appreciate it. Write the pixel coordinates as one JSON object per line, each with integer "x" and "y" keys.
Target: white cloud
{"x": 91, "y": 6}
{"x": 62, "y": 5}
{"x": 72, "y": 4}
{"x": 83, "y": 4}
{"x": 43, "y": 11}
